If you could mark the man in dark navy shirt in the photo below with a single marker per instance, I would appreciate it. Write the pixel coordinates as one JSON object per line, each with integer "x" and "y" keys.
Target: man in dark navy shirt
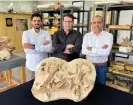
{"x": 67, "y": 42}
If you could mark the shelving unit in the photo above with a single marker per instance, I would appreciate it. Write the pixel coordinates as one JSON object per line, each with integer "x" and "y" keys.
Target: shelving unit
{"x": 114, "y": 27}
{"x": 116, "y": 9}
{"x": 78, "y": 25}
{"x": 117, "y": 51}
{"x": 121, "y": 74}
{"x": 120, "y": 27}
{"x": 83, "y": 16}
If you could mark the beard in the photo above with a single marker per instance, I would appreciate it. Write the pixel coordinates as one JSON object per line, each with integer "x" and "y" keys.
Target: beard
{"x": 97, "y": 29}
{"x": 68, "y": 28}
{"x": 37, "y": 26}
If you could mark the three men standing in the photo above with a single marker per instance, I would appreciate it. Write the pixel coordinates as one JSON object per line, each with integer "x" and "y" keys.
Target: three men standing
{"x": 67, "y": 44}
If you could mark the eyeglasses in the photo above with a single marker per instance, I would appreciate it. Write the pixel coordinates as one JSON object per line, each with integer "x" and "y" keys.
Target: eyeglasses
{"x": 68, "y": 21}
{"x": 99, "y": 22}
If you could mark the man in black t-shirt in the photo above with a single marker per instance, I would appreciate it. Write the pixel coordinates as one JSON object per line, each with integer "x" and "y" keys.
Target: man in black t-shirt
{"x": 67, "y": 42}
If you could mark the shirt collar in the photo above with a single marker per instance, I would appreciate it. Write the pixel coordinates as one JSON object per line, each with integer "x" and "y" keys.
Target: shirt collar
{"x": 36, "y": 32}
{"x": 68, "y": 33}
{"x": 99, "y": 34}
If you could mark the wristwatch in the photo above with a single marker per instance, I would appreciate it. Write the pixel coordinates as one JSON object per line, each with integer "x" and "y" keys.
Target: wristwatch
{"x": 33, "y": 46}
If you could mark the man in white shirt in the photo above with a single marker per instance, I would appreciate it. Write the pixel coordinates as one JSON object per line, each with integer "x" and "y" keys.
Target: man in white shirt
{"x": 36, "y": 43}
{"x": 97, "y": 46}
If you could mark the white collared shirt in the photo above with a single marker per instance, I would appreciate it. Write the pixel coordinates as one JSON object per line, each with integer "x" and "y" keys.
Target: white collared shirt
{"x": 97, "y": 54}
{"x": 35, "y": 56}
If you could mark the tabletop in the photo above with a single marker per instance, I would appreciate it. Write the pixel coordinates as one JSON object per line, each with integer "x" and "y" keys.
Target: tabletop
{"x": 13, "y": 62}
{"x": 100, "y": 95}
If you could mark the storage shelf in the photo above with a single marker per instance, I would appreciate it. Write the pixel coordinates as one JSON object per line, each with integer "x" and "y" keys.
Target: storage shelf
{"x": 55, "y": 18}
{"x": 46, "y": 25}
{"x": 120, "y": 27}
{"x": 99, "y": 8}
{"x": 64, "y": 10}
{"x": 121, "y": 74}
{"x": 118, "y": 87}
{"x": 74, "y": 26}
{"x": 117, "y": 51}
{"x": 114, "y": 27}
{"x": 80, "y": 25}
{"x": 52, "y": 14}
{"x": 49, "y": 11}
{"x": 121, "y": 7}
{"x": 117, "y": 7}
{"x": 77, "y": 10}
{"x": 51, "y": 18}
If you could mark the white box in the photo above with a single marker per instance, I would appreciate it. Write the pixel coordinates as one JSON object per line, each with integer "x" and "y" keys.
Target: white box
{"x": 125, "y": 49}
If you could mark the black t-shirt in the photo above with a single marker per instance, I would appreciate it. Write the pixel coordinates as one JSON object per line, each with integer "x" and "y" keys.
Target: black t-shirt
{"x": 60, "y": 40}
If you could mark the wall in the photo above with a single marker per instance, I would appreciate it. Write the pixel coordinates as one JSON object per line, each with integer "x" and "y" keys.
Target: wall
{"x": 125, "y": 19}
{"x": 14, "y": 31}
{"x": 18, "y": 6}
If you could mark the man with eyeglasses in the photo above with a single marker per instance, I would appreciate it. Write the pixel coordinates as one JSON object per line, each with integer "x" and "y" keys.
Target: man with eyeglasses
{"x": 97, "y": 46}
{"x": 67, "y": 42}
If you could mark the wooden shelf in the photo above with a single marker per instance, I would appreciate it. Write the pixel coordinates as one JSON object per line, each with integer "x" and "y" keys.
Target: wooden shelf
{"x": 121, "y": 74}
{"x": 50, "y": 11}
{"x": 80, "y": 25}
{"x": 46, "y": 25}
{"x": 120, "y": 27}
{"x": 118, "y": 87}
{"x": 64, "y": 10}
{"x": 20, "y": 13}
{"x": 117, "y": 51}
{"x": 114, "y": 29}
{"x": 51, "y": 17}
{"x": 121, "y": 7}
{"x": 55, "y": 18}
{"x": 74, "y": 26}
{"x": 52, "y": 14}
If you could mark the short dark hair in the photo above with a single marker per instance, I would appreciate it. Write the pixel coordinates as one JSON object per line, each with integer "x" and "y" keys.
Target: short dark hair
{"x": 36, "y": 15}
{"x": 68, "y": 15}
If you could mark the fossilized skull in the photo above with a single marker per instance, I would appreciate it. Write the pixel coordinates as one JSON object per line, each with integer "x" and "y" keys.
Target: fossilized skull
{"x": 4, "y": 55}
{"x": 58, "y": 5}
{"x": 5, "y": 44}
{"x": 57, "y": 79}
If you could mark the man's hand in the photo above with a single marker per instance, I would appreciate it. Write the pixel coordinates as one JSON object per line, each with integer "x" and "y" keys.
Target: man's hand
{"x": 66, "y": 51}
{"x": 69, "y": 46}
{"x": 27, "y": 46}
{"x": 105, "y": 46}
{"x": 1, "y": 75}
{"x": 46, "y": 42}
{"x": 89, "y": 48}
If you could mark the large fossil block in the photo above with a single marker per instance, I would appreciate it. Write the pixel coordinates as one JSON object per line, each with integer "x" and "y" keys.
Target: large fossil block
{"x": 57, "y": 79}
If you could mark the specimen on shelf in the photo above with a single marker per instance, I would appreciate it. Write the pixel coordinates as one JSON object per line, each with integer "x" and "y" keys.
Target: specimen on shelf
{"x": 5, "y": 48}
